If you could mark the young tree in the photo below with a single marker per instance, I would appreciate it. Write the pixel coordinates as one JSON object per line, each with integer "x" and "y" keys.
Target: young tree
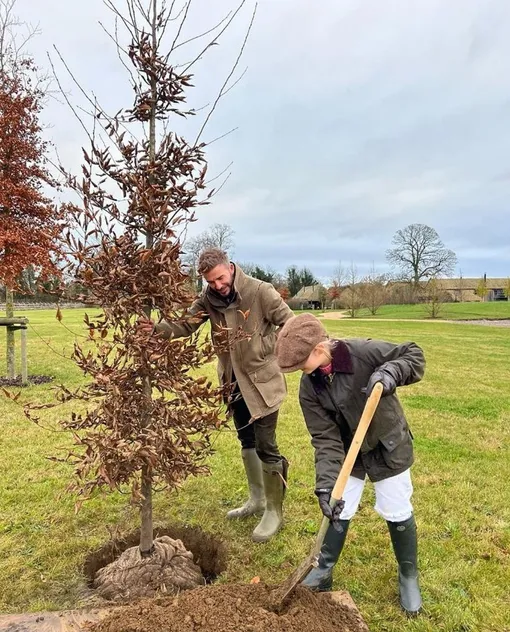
{"x": 333, "y": 294}
{"x": 340, "y": 275}
{"x": 149, "y": 415}
{"x": 462, "y": 287}
{"x": 30, "y": 224}
{"x": 352, "y": 296}
{"x": 419, "y": 254}
{"x": 481, "y": 289}
{"x": 373, "y": 291}
{"x": 435, "y": 298}
{"x": 506, "y": 289}
{"x": 323, "y": 296}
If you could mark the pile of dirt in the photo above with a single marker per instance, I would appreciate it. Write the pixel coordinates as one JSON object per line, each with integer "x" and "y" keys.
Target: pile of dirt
{"x": 170, "y": 569}
{"x": 232, "y": 608}
{"x": 32, "y": 380}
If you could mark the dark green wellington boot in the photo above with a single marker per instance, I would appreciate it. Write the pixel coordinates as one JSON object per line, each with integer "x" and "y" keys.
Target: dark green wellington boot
{"x": 274, "y": 476}
{"x": 320, "y": 579}
{"x": 405, "y": 544}
{"x": 256, "y": 502}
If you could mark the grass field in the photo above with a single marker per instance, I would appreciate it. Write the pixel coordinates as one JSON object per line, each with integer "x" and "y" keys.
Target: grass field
{"x": 453, "y": 311}
{"x": 449, "y": 311}
{"x": 460, "y": 416}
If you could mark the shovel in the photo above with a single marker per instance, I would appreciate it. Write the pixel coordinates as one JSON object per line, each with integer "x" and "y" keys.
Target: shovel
{"x": 280, "y": 594}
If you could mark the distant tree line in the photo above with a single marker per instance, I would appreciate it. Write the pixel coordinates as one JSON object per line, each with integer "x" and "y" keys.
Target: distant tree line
{"x": 418, "y": 258}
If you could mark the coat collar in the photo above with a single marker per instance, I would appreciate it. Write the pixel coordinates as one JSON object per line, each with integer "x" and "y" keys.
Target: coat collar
{"x": 341, "y": 360}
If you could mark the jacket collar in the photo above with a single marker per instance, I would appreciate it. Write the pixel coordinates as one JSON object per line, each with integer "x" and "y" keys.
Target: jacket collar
{"x": 341, "y": 358}
{"x": 341, "y": 361}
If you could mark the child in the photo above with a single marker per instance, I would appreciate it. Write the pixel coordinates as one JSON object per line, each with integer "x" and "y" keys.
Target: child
{"x": 338, "y": 375}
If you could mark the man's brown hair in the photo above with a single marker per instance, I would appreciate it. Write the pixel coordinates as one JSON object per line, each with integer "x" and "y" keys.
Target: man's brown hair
{"x": 210, "y": 258}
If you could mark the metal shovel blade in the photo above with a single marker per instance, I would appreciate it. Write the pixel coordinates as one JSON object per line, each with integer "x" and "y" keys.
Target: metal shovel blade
{"x": 279, "y": 595}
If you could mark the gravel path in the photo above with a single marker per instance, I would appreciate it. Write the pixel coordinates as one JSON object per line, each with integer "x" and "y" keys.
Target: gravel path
{"x": 484, "y": 322}
{"x": 487, "y": 323}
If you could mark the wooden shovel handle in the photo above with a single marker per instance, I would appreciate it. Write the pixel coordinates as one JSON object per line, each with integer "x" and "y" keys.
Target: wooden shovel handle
{"x": 348, "y": 464}
{"x": 359, "y": 435}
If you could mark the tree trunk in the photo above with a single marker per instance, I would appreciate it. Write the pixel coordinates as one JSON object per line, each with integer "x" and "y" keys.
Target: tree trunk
{"x": 146, "y": 531}
{"x": 9, "y": 312}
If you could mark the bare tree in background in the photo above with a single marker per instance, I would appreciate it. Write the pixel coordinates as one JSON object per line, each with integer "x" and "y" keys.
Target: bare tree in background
{"x": 217, "y": 236}
{"x": 506, "y": 289}
{"x": 14, "y": 37}
{"x": 419, "y": 254}
{"x": 323, "y": 296}
{"x": 352, "y": 297}
{"x": 434, "y": 298}
{"x": 481, "y": 289}
{"x": 340, "y": 275}
{"x": 373, "y": 291}
{"x": 460, "y": 295}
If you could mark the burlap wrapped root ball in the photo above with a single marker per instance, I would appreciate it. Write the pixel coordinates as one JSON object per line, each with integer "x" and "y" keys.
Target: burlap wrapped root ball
{"x": 169, "y": 570}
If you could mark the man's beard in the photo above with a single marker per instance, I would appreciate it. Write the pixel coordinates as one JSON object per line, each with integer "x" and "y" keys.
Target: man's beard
{"x": 225, "y": 291}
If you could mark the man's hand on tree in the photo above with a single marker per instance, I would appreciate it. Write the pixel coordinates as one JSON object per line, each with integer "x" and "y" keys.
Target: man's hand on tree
{"x": 145, "y": 325}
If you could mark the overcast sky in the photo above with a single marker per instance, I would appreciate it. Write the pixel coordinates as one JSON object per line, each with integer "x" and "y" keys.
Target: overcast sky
{"x": 355, "y": 118}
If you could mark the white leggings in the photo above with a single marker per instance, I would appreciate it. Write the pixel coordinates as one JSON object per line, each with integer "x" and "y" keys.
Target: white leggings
{"x": 392, "y": 497}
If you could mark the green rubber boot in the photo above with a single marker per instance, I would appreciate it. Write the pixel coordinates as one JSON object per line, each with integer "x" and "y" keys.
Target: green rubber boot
{"x": 256, "y": 502}
{"x": 275, "y": 477}
{"x": 320, "y": 579}
{"x": 405, "y": 545}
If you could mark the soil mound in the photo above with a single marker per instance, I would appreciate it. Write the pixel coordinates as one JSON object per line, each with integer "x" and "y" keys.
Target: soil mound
{"x": 232, "y": 608}
{"x": 32, "y": 379}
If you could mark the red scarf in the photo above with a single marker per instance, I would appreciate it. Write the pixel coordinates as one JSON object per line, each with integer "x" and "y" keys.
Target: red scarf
{"x": 326, "y": 370}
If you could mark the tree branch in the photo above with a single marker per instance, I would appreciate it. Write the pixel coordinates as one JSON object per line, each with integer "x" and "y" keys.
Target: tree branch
{"x": 221, "y": 92}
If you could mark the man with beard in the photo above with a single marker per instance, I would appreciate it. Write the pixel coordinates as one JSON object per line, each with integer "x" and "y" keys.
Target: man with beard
{"x": 234, "y": 300}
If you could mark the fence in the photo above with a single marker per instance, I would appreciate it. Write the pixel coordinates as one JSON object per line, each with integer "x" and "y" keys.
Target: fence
{"x": 20, "y": 305}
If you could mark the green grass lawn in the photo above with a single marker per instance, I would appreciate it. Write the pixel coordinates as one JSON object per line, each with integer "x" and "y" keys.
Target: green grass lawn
{"x": 460, "y": 416}
{"x": 449, "y": 311}
{"x": 452, "y": 311}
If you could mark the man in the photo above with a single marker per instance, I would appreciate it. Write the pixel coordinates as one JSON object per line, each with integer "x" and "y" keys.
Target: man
{"x": 235, "y": 300}
{"x": 337, "y": 377}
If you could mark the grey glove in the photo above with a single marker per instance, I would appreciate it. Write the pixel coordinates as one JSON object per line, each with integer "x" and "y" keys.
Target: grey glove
{"x": 332, "y": 513}
{"x": 388, "y": 382}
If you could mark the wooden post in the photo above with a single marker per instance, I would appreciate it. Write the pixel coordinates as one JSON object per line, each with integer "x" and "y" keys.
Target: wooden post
{"x": 9, "y": 312}
{"x": 12, "y": 325}
{"x": 24, "y": 363}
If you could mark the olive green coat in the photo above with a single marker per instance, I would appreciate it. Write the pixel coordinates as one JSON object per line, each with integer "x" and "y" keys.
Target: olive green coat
{"x": 332, "y": 406}
{"x": 259, "y": 310}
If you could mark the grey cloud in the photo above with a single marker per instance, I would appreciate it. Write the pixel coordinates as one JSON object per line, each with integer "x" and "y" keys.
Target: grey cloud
{"x": 354, "y": 120}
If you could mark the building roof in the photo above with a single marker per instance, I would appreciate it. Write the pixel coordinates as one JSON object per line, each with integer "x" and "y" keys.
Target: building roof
{"x": 472, "y": 284}
{"x": 310, "y": 293}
